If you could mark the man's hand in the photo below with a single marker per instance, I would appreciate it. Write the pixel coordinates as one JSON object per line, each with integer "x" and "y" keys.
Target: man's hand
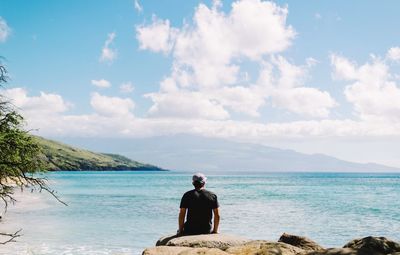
{"x": 216, "y": 221}
{"x": 181, "y": 220}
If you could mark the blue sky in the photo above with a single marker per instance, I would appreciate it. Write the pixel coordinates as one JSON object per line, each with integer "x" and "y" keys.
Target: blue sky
{"x": 332, "y": 83}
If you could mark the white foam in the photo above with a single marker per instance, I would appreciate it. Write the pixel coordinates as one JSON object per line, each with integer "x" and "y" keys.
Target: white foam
{"x": 45, "y": 249}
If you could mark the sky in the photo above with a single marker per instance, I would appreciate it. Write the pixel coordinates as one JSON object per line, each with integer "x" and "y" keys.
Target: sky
{"x": 314, "y": 76}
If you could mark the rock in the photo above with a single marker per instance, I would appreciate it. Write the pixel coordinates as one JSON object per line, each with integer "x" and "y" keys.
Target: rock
{"x": 374, "y": 245}
{"x": 264, "y": 248}
{"x": 219, "y": 241}
{"x": 164, "y": 240}
{"x": 220, "y": 244}
{"x": 164, "y": 250}
{"x": 335, "y": 251}
{"x": 364, "y": 246}
{"x": 300, "y": 242}
{"x": 203, "y": 251}
{"x": 174, "y": 250}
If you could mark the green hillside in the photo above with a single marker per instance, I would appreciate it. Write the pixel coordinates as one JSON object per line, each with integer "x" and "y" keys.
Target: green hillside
{"x": 67, "y": 158}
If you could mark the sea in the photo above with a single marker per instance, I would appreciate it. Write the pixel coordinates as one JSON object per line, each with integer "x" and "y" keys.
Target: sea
{"x": 122, "y": 213}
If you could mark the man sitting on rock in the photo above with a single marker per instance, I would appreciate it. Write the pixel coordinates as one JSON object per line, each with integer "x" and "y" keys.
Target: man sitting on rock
{"x": 200, "y": 205}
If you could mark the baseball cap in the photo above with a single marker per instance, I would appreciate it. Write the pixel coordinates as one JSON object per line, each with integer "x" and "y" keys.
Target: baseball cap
{"x": 199, "y": 177}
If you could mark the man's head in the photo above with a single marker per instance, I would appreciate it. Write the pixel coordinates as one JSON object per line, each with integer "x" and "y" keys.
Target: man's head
{"x": 199, "y": 180}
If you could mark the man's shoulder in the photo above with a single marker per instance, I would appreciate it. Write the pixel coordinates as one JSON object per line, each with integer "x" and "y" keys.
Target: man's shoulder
{"x": 210, "y": 193}
{"x": 189, "y": 192}
{"x": 204, "y": 191}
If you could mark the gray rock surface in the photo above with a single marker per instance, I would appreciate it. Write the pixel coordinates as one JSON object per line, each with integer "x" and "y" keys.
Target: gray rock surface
{"x": 175, "y": 250}
{"x": 334, "y": 251}
{"x": 264, "y": 248}
{"x": 300, "y": 242}
{"x": 164, "y": 250}
{"x": 164, "y": 240}
{"x": 203, "y": 251}
{"x": 219, "y": 241}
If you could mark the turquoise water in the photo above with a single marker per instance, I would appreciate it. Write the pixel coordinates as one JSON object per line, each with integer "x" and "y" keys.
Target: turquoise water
{"x": 124, "y": 212}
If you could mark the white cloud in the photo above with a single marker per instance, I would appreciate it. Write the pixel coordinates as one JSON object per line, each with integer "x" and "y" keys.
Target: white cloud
{"x": 113, "y": 117}
{"x": 344, "y": 69}
{"x": 394, "y": 54}
{"x": 107, "y": 53}
{"x": 317, "y": 16}
{"x": 126, "y": 87}
{"x": 111, "y": 106}
{"x": 373, "y": 91}
{"x": 207, "y": 61}
{"x": 138, "y": 7}
{"x": 252, "y": 29}
{"x": 246, "y": 100}
{"x": 158, "y": 37}
{"x": 208, "y": 48}
{"x": 305, "y": 101}
{"x": 289, "y": 92}
{"x": 101, "y": 83}
{"x": 188, "y": 105}
{"x": 44, "y": 104}
{"x": 5, "y": 30}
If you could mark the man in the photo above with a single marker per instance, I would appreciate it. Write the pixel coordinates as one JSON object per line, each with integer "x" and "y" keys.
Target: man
{"x": 200, "y": 205}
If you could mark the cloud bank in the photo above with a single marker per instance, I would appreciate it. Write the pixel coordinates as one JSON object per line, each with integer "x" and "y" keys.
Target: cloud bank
{"x": 209, "y": 91}
{"x": 210, "y": 53}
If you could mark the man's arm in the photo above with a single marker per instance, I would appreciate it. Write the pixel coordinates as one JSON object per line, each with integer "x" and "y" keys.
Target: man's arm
{"x": 181, "y": 220}
{"x": 216, "y": 221}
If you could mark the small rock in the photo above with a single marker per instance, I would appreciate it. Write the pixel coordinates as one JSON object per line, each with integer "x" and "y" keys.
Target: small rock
{"x": 374, "y": 245}
{"x": 264, "y": 248}
{"x": 301, "y": 242}
{"x": 164, "y": 240}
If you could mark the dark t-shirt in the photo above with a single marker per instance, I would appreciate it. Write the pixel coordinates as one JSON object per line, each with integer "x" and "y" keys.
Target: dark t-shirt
{"x": 200, "y": 204}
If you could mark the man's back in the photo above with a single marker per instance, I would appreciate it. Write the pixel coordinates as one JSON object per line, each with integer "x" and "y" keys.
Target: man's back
{"x": 200, "y": 204}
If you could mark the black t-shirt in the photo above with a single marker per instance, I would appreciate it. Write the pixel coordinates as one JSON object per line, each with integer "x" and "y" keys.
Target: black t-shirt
{"x": 200, "y": 204}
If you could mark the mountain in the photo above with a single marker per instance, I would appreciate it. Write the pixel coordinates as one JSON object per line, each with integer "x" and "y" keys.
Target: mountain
{"x": 195, "y": 153}
{"x": 59, "y": 156}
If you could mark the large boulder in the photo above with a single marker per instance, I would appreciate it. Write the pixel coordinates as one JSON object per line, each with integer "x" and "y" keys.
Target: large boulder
{"x": 219, "y": 241}
{"x": 174, "y": 250}
{"x": 300, "y": 242}
{"x": 364, "y": 246}
{"x": 264, "y": 248}
{"x": 374, "y": 245}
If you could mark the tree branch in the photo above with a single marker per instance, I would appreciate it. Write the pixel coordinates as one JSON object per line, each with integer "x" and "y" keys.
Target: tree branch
{"x": 11, "y": 237}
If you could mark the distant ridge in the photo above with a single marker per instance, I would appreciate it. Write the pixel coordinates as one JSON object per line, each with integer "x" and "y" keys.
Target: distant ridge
{"x": 196, "y": 153}
{"x": 59, "y": 156}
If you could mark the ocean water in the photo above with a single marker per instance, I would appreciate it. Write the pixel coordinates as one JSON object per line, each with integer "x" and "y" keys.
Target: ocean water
{"x": 124, "y": 212}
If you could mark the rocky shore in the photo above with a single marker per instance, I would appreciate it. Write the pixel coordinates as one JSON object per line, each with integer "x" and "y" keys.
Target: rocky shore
{"x": 221, "y": 244}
